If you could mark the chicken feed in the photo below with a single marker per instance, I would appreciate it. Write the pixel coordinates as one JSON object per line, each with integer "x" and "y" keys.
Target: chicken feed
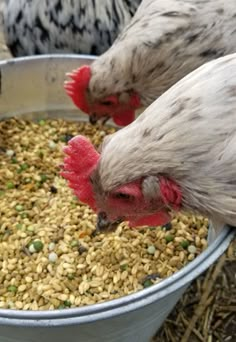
{"x": 49, "y": 257}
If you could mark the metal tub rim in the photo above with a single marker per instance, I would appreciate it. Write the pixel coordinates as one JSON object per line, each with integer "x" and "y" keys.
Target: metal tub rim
{"x": 112, "y": 308}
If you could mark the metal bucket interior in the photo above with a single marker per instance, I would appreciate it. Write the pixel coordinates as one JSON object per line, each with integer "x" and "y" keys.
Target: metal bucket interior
{"x": 35, "y": 85}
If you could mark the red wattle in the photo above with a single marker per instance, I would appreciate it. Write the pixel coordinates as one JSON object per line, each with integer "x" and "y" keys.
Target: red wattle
{"x": 124, "y": 118}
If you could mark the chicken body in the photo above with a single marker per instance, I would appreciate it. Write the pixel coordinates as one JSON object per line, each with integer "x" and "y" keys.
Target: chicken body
{"x": 187, "y": 136}
{"x": 165, "y": 40}
{"x": 65, "y": 26}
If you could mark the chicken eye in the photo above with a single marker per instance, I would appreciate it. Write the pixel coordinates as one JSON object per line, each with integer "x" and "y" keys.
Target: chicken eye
{"x": 107, "y": 103}
{"x": 121, "y": 195}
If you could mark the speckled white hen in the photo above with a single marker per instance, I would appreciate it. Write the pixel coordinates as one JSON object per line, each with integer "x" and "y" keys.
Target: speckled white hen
{"x": 165, "y": 40}
{"x": 187, "y": 137}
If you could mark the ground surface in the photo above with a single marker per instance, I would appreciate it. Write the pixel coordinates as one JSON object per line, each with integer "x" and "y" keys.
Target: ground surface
{"x": 207, "y": 311}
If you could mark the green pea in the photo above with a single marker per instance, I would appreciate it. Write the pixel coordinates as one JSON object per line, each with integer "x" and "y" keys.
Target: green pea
{"x": 147, "y": 283}
{"x": 23, "y": 215}
{"x": 43, "y": 178}
{"x": 10, "y": 185}
{"x": 184, "y": 244}
{"x": 24, "y": 166}
{"x": 124, "y": 267}
{"x": 67, "y": 303}
{"x": 42, "y": 122}
{"x": 169, "y": 238}
{"x": 74, "y": 243}
{"x": 12, "y": 288}
{"x": 38, "y": 245}
{"x": 14, "y": 160}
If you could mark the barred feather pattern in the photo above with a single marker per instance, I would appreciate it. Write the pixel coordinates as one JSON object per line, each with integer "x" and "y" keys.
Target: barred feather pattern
{"x": 65, "y": 26}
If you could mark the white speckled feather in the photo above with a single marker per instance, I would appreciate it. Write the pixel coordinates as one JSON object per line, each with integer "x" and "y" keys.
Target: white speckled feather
{"x": 165, "y": 40}
{"x": 188, "y": 134}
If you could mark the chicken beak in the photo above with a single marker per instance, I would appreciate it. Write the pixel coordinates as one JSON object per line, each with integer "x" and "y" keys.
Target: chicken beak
{"x": 104, "y": 225}
{"x": 93, "y": 119}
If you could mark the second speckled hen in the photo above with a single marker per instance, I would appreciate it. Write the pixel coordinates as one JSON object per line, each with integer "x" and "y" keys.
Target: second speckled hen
{"x": 165, "y": 40}
{"x": 180, "y": 154}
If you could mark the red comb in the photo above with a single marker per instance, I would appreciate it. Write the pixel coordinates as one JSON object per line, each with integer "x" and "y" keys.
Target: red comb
{"x": 76, "y": 88}
{"x": 81, "y": 159}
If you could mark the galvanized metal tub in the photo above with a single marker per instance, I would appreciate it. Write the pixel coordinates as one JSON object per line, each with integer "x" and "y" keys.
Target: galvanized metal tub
{"x": 35, "y": 84}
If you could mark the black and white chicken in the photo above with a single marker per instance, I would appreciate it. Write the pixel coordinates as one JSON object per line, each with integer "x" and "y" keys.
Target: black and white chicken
{"x": 65, "y": 26}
